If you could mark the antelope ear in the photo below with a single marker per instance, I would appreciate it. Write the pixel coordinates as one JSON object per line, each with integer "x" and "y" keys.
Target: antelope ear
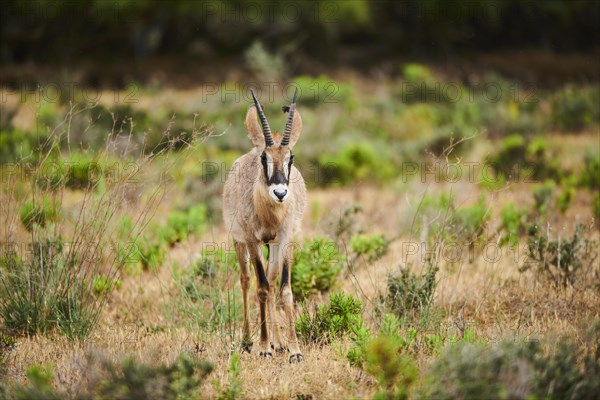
{"x": 255, "y": 132}
{"x": 296, "y": 128}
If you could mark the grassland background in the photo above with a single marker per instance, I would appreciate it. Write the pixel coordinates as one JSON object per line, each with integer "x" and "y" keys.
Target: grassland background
{"x": 119, "y": 122}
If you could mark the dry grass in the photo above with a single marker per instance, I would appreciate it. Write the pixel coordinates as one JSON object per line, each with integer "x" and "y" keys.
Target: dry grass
{"x": 494, "y": 299}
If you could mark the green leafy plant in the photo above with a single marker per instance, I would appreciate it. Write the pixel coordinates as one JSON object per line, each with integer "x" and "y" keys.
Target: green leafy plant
{"x": 39, "y": 384}
{"x": 356, "y": 161}
{"x": 513, "y": 224}
{"x": 315, "y": 268}
{"x": 590, "y": 174}
{"x": 410, "y": 295}
{"x": 520, "y": 158}
{"x": 395, "y": 372}
{"x": 38, "y": 213}
{"x": 446, "y": 223}
{"x": 543, "y": 196}
{"x": 132, "y": 379}
{"x": 235, "y": 386}
{"x": 516, "y": 369}
{"x": 563, "y": 259}
{"x": 574, "y": 108}
{"x": 338, "y": 318}
{"x": 373, "y": 246}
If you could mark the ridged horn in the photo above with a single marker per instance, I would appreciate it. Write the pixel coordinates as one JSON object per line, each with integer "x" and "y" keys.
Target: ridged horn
{"x": 287, "y": 132}
{"x": 263, "y": 121}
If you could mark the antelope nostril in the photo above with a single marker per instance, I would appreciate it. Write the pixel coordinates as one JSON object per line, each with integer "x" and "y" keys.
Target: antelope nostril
{"x": 280, "y": 193}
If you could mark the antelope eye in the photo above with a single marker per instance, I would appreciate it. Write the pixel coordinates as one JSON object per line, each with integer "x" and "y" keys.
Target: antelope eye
{"x": 263, "y": 156}
{"x": 291, "y": 157}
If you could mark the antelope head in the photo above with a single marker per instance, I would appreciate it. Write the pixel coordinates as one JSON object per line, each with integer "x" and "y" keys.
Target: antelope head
{"x": 276, "y": 157}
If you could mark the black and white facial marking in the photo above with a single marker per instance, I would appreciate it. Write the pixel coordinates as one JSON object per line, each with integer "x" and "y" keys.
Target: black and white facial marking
{"x": 277, "y": 166}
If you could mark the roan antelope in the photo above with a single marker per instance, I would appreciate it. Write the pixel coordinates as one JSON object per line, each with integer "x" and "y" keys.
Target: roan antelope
{"x": 263, "y": 203}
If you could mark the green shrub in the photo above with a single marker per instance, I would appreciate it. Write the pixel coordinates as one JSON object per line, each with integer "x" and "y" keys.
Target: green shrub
{"x": 45, "y": 291}
{"x": 513, "y": 224}
{"x": 565, "y": 198}
{"x": 357, "y": 354}
{"x": 38, "y": 213}
{"x": 340, "y": 317}
{"x": 152, "y": 248}
{"x": 235, "y": 386}
{"x": 469, "y": 222}
{"x": 324, "y": 90}
{"x": 356, "y": 161}
{"x": 150, "y": 252}
{"x": 469, "y": 370}
{"x": 75, "y": 170}
{"x": 315, "y": 268}
{"x": 16, "y": 145}
{"x": 447, "y": 223}
{"x": 131, "y": 379}
{"x": 561, "y": 260}
{"x": 543, "y": 196}
{"x": 268, "y": 67}
{"x": 343, "y": 227}
{"x": 516, "y": 370}
{"x": 127, "y": 379}
{"x": 39, "y": 384}
{"x": 103, "y": 284}
{"x": 206, "y": 302}
{"x": 522, "y": 159}
{"x": 373, "y": 246}
{"x": 395, "y": 372}
{"x": 6, "y": 343}
{"x": 596, "y": 206}
{"x": 576, "y": 108}
{"x": 410, "y": 295}
{"x": 590, "y": 175}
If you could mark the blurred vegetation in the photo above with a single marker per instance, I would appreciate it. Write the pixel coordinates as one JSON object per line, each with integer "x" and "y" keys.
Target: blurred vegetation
{"x": 126, "y": 379}
{"x": 327, "y": 322}
{"x": 140, "y": 29}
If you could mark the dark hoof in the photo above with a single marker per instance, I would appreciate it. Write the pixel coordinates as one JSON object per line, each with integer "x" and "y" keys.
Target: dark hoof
{"x": 246, "y": 347}
{"x": 278, "y": 349}
{"x": 266, "y": 354}
{"x": 296, "y": 358}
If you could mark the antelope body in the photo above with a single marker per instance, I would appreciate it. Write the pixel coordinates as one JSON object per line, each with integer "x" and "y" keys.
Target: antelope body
{"x": 263, "y": 203}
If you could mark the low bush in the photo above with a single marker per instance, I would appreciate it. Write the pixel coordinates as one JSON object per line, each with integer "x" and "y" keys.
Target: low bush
{"x": 151, "y": 249}
{"x": 127, "y": 379}
{"x": 342, "y": 227}
{"x": 395, "y": 372}
{"x": 235, "y": 387}
{"x": 37, "y": 298}
{"x": 356, "y": 161}
{"x": 410, "y": 295}
{"x": 575, "y": 108}
{"x": 17, "y": 146}
{"x": 384, "y": 356}
{"x": 207, "y": 300}
{"x": 315, "y": 268}
{"x": 331, "y": 321}
{"x": 544, "y": 196}
{"x": 590, "y": 174}
{"x": 324, "y": 90}
{"x": 516, "y": 370}
{"x": 513, "y": 224}
{"x": 445, "y": 223}
{"x": 373, "y": 246}
{"x": 38, "y": 212}
{"x": 521, "y": 159}
{"x": 562, "y": 260}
